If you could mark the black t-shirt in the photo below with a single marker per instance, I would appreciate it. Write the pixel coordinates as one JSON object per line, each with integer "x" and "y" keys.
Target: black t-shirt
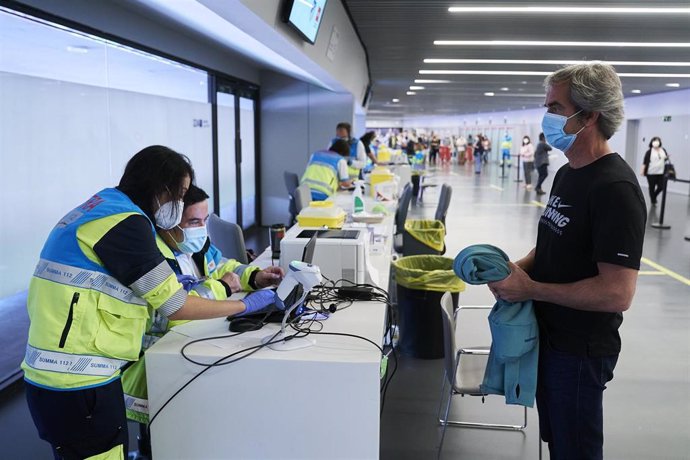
{"x": 594, "y": 214}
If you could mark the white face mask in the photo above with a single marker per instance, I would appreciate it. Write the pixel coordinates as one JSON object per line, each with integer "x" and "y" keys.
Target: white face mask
{"x": 655, "y": 144}
{"x": 525, "y": 141}
{"x": 169, "y": 215}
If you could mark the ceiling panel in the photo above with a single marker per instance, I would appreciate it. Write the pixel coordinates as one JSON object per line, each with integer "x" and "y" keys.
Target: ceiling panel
{"x": 400, "y": 34}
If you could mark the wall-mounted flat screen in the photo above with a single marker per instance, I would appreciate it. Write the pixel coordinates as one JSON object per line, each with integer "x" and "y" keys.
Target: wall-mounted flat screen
{"x": 305, "y": 16}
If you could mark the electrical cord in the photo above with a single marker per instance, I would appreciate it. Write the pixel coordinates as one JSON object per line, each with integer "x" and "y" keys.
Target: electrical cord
{"x": 325, "y": 293}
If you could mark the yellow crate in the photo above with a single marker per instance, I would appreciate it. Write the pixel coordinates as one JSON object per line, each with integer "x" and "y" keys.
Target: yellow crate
{"x": 322, "y": 213}
{"x": 330, "y": 222}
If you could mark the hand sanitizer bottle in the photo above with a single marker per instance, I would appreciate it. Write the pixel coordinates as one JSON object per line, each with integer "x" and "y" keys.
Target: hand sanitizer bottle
{"x": 357, "y": 200}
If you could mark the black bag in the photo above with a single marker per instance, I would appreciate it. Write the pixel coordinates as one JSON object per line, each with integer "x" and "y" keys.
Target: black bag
{"x": 669, "y": 170}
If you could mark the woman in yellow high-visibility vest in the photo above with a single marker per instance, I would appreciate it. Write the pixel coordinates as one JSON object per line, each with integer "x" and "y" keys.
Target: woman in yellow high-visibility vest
{"x": 99, "y": 278}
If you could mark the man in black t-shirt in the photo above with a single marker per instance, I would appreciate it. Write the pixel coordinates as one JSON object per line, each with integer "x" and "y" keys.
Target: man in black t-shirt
{"x": 583, "y": 271}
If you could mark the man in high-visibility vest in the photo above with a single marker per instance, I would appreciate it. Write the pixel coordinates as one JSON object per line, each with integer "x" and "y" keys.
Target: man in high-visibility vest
{"x": 205, "y": 272}
{"x": 326, "y": 171}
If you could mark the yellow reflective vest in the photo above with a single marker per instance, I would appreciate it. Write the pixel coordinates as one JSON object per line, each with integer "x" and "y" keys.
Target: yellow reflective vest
{"x": 85, "y": 324}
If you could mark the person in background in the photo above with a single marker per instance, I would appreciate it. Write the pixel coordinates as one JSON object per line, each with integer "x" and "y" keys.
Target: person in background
{"x": 541, "y": 162}
{"x": 357, "y": 155}
{"x": 326, "y": 171}
{"x": 366, "y": 141}
{"x": 479, "y": 154}
{"x": 100, "y": 277}
{"x": 582, "y": 273}
{"x": 653, "y": 168}
{"x": 410, "y": 148}
{"x": 434, "y": 147}
{"x": 527, "y": 155}
{"x": 461, "y": 147}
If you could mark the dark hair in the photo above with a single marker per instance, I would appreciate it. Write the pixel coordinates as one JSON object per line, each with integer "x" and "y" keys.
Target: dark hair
{"x": 346, "y": 126}
{"x": 541, "y": 137}
{"x": 653, "y": 139}
{"x": 367, "y": 138}
{"x": 152, "y": 172}
{"x": 529, "y": 141}
{"x": 341, "y": 147}
{"x": 194, "y": 195}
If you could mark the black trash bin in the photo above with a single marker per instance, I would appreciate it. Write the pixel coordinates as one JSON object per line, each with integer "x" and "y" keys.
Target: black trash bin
{"x": 421, "y": 281}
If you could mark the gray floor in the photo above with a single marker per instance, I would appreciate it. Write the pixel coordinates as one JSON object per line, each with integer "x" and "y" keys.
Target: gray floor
{"x": 647, "y": 405}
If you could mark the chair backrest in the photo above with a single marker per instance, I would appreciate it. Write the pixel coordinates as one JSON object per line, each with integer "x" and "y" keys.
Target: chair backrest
{"x": 443, "y": 203}
{"x": 227, "y": 237}
{"x": 449, "y": 346}
{"x": 291, "y": 181}
{"x": 403, "y": 206}
{"x": 302, "y": 197}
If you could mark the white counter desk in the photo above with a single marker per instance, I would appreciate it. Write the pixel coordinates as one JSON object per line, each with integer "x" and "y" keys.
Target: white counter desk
{"x": 320, "y": 402}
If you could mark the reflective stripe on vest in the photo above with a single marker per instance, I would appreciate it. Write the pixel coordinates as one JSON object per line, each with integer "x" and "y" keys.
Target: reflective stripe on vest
{"x": 67, "y": 363}
{"x": 87, "y": 279}
{"x": 136, "y": 404}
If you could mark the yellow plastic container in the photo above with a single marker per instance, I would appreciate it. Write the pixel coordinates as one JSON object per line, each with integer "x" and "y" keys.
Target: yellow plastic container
{"x": 378, "y": 176}
{"x": 320, "y": 214}
{"x": 383, "y": 155}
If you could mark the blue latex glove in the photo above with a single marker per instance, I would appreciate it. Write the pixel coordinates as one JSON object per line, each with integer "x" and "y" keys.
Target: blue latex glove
{"x": 187, "y": 281}
{"x": 258, "y": 300}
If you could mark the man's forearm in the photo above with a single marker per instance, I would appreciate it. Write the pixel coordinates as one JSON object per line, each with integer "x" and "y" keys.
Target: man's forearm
{"x": 527, "y": 262}
{"x": 200, "y": 308}
{"x": 590, "y": 294}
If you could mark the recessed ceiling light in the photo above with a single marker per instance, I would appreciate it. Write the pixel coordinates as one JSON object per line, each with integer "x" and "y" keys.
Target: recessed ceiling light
{"x": 431, "y": 81}
{"x": 504, "y": 89}
{"x": 673, "y": 85}
{"x": 635, "y": 91}
{"x": 560, "y": 43}
{"x": 78, "y": 49}
{"x": 411, "y": 93}
{"x": 553, "y": 62}
{"x": 489, "y": 94}
{"x": 396, "y": 100}
{"x": 540, "y": 73}
{"x": 416, "y": 87}
{"x": 566, "y": 9}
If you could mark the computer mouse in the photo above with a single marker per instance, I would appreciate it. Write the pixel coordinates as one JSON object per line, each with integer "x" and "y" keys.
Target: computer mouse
{"x": 245, "y": 324}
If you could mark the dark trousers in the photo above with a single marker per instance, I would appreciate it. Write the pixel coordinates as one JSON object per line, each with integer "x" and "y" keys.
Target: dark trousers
{"x": 80, "y": 423}
{"x": 432, "y": 155}
{"x": 570, "y": 402}
{"x": 656, "y": 185}
{"x": 543, "y": 171}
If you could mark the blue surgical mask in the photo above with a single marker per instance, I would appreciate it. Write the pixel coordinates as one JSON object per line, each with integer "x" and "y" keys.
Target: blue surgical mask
{"x": 553, "y": 125}
{"x": 194, "y": 239}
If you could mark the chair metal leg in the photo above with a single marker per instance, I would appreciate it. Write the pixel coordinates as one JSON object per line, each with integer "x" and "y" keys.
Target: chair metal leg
{"x": 440, "y": 399}
{"x": 487, "y": 426}
{"x": 445, "y": 425}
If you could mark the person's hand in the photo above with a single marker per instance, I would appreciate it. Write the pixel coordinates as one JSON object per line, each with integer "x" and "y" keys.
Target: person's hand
{"x": 232, "y": 280}
{"x": 516, "y": 287}
{"x": 258, "y": 300}
{"x": 187, "y": 281}
{"x": 269, "y": 276}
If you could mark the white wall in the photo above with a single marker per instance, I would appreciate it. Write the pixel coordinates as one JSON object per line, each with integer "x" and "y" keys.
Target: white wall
{"x": 61, "y": 142}
{"x": 297, "y": 119}
{"x": 347, "y": 71}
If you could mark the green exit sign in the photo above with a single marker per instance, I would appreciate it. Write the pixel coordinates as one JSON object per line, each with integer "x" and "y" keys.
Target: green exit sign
{"x": 667, "y": 118}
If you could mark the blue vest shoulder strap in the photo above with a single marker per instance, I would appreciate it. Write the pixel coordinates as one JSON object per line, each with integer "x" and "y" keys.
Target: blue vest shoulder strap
{"x": 61, "y": 245}
{"x": 326, "y": 158}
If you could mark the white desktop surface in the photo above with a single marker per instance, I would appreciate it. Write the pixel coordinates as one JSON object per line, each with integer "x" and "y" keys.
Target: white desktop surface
{"x": 320, "y": 402}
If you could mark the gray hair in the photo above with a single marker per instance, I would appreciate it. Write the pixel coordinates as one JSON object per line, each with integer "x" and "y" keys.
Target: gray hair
{"x": 594, "y": 87}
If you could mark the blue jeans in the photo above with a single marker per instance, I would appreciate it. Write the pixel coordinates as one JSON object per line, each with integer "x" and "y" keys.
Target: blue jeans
{"x": 570, "y": 391}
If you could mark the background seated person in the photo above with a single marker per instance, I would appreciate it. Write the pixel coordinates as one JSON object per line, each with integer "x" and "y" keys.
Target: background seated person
{"x": 328, "y": 170}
